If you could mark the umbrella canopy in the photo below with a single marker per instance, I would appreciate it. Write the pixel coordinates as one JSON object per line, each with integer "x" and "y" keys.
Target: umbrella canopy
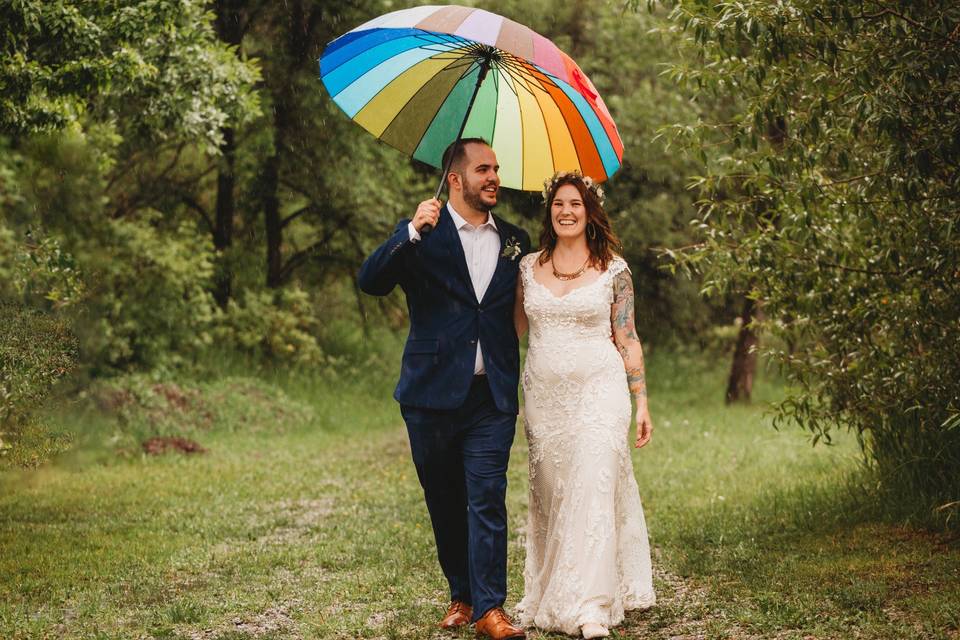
{"x": 410, "y": 77}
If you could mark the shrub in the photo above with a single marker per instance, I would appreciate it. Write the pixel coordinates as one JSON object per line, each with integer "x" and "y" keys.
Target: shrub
{"x": 271, "y": 327}
{"x": 38, "y": 282}
{"x": 142, "y": 406}
{"x": 150, "y": 301}
{"x": 36, "y": 350}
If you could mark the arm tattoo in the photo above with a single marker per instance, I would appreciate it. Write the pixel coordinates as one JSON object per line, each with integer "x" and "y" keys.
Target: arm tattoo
{"x": 623, "y": 306}
{"x": 625, "y": 334}
{"x": 637, "y": 381}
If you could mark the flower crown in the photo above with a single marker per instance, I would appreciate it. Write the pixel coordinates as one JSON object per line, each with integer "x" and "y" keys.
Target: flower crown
{"x": 550, "y": 183}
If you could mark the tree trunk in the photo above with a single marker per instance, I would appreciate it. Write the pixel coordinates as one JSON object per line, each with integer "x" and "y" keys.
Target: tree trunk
{"x": 744, "y": 367}
{"x": 223, "y": 223}
{"x": 230, "y": 30}
{"x": 272, "y": 223}
{"x": 576, "y": 28}
{"x": 300, "y": 20}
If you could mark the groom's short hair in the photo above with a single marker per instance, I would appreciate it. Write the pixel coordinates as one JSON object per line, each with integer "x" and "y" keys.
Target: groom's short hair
{"x": 458, "y": 151}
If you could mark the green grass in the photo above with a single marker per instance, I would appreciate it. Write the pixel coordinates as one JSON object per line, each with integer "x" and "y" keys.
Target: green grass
{"x": 318, "y": 530}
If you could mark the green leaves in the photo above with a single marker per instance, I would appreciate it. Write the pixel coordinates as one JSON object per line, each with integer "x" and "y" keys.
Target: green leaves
{"x": 36, "y": 350}
{"x": 832, "y": 190}
{"x": 155, "y": 66}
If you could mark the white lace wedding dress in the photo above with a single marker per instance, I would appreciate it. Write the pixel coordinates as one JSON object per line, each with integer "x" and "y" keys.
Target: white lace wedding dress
{"x": 588, "y": 558}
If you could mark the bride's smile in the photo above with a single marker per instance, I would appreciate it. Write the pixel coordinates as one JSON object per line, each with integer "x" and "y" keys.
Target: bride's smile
{"x": 568, "y": 212}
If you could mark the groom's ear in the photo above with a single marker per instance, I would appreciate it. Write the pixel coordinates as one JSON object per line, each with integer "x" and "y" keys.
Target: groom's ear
{"x": 453, "y": 182}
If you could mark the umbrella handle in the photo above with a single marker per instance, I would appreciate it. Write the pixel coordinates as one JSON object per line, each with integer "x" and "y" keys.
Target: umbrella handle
{"x": 484, "y": 67}
{"x": 427, "y": 228}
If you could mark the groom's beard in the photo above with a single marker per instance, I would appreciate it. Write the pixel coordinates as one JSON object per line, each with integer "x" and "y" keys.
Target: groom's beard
{"x": 472, "y": 198}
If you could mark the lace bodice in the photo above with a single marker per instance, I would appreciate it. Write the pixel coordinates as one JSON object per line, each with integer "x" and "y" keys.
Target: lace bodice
{"x": 582, "y": 313}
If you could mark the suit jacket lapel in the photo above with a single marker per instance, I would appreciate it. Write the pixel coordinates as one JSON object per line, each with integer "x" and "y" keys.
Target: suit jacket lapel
{"x": 456, "y": 248}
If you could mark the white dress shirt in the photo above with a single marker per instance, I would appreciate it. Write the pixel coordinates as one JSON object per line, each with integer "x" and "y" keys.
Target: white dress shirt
{"x": 481, "y": 248}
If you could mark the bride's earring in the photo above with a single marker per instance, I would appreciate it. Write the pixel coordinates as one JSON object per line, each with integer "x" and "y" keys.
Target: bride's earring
{"x": 592, "y": 230}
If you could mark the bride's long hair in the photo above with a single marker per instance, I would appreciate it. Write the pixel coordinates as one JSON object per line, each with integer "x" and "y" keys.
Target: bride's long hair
{"x": 603, "y": 243}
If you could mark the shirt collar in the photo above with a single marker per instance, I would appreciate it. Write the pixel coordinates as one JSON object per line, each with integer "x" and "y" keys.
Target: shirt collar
{"x": 459, "y": 222}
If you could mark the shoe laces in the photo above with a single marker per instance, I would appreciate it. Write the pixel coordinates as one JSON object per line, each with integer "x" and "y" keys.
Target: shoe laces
{"x": 501, "y": 616}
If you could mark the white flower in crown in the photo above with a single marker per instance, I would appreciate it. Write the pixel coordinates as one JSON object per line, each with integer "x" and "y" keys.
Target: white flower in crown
{"x": 589, "y": 182}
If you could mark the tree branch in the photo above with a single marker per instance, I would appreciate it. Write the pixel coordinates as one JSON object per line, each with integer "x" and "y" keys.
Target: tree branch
{"x": 300, "y": 258}
{"x": 834, "y": 183}
{"x": 296, "y": 214}
{"x": 191, "y": 202}
{"x": 891, "y": 12}
{"x": 871, "y": 272}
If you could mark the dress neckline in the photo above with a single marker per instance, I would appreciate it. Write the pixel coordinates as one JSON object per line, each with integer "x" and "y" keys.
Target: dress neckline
{"x": 568, "y": 293}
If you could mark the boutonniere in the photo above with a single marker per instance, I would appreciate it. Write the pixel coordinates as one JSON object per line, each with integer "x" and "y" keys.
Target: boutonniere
{"x": 511, "y": 249}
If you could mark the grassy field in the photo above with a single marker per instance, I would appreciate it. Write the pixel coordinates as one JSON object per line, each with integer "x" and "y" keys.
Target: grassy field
{"x": 314, "y": 527}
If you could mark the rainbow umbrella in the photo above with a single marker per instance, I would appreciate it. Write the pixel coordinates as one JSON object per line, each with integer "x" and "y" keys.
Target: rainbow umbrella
{"x": 420, "y": 78}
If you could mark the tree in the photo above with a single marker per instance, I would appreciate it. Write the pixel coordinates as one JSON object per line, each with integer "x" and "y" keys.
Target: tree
{"x": 845, "y": 228}
{"x": 109, "y": 111}
{"x": 304, "y": 168}
{"x": 152, "y": 66}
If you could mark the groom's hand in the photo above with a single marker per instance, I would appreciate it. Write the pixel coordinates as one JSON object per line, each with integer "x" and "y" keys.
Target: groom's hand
{"x": 428, "y": 212}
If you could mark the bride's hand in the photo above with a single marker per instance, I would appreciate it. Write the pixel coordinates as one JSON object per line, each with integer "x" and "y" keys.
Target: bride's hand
{"x": 644, "y": 428}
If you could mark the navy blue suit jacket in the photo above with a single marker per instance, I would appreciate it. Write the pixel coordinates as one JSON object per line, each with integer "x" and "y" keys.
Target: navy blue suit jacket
{"x": 446, "y": 318}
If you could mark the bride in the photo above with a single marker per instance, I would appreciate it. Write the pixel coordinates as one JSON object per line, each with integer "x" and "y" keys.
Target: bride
{"x": 588, "y": 558}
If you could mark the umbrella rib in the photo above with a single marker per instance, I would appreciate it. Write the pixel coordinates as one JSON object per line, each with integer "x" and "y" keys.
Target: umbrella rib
{"x": 442, "y": 37}
{"x": 448, "y": 46}
{"x": 445, "y": 47}
{"x": 522, "y": 153}
{"x": 461, "y": 60}
{"x": 520, "y": 73}
{"x": 496, "y": 91}
{"x": 453, "y": 42}
{"x": 508, "y": 76}
{"x": 520, "y": 70}
{"x": 525, "y": 83}
{"x": 449, "y": 67}
{"x": 469, "y": 65}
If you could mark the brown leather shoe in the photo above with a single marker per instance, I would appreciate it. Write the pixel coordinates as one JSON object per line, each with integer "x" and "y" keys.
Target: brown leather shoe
{"x": 498, "y": 626}
{"x": 458, "y": 614}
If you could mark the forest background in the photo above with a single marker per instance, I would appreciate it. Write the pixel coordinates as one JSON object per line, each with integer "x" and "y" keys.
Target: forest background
{"x": 181, "y": 200}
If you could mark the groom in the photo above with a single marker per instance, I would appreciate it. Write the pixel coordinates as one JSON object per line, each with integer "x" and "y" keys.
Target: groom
{"x": 459, "y": 375}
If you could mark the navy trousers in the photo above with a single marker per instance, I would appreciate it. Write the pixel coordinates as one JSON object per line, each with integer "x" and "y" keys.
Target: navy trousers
{"x": 461, "y": 457}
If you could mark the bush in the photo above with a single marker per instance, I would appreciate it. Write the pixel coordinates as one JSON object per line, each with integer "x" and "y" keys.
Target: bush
{"x": 150, "y": 305}
{"x": 141, "y": 406}
{"x": 272, "y": 327}
{"x": 38, "y": 283}
{"x": 36, "y": 350}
